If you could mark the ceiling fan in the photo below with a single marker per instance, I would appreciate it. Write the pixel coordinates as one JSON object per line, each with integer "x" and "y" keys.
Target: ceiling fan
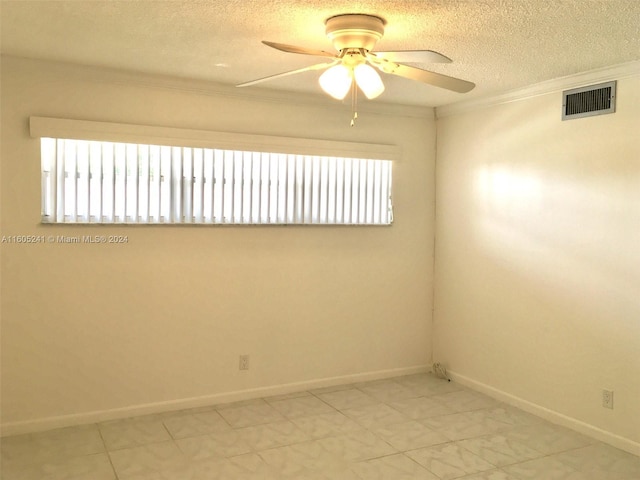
{"x": 354, "y": 36}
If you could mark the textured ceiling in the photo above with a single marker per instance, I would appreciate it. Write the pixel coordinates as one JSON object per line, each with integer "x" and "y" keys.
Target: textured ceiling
{"x": 497, "y": 44}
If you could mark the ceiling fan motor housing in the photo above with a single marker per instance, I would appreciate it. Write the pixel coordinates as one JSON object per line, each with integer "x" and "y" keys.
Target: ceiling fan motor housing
{"x": 354, "y": 31}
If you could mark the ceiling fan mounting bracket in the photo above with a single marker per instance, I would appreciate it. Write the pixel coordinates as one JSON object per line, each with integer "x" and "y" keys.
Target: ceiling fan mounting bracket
{"x": 354, "y": 31}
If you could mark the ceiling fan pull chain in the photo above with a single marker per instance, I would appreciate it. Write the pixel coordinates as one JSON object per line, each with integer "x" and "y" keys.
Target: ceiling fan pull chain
{"x": 354, "y": 103}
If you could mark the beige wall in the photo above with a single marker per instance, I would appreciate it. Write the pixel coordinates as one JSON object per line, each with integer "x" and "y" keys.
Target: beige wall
{"x": 162, "y": 319}
{"x": 538, "y": 258}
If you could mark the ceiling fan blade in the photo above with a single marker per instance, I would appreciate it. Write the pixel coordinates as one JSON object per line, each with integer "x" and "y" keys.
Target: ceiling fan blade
{"x": 293, "y": 49}
{"x": 319, "y": 66}
{"x": 424, "y": 76}
{"x": 432, "y": 78}
{"x": 413, "y": 56}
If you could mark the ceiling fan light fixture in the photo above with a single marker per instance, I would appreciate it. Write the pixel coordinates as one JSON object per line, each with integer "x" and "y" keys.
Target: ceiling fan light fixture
{"x": 336, "y": 81}
{"x": 368, "y": 80}
{"x": 354, "y": 37}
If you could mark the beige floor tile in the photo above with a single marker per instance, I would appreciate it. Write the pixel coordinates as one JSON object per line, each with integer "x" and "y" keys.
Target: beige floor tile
{"x": 327, "y": 425}
{"x": 131, "y": 432}
{"x": 387, "y": 390}
{"x": 147, "y": 459}
{"x": 420, "y": 407}
{"x": 500, "y": 450}
{"x": 243, "y": 467}
{"x": 190, "y": 425}
{"x": 409, "y": 436}
{"x": 449, "y": 461}
{"x": 510, "y": 417}
{"x": 355, "y": 447}
{"x": 460, "y": 426}
{"x": 490, "y": 475}
{"x": 547, "y": 438}
{"x": 175, "y": 472}
{"x": 345, "y": 399}
{"x": 215, "y": 445}
{"x": 87, "y": 467}
{"x": 465, "y": 401}
{"x": 245, "y": 415}
{"x": 600, "y": 461}
{"x": 393, "y": 467}
{"x": 301, "y": 407}
{"x": 545, "y": 468}
{"x": 271, "y": 435}
{"x": 373, "y": 416}
{"x": 303, "y": 459}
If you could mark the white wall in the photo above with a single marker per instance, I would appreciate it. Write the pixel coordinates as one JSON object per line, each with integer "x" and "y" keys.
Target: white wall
{"x": 537, "y": 294}
{"x": 93, "y": 331}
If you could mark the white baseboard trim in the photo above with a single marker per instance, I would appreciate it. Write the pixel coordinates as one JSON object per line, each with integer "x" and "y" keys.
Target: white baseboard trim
{"x": 550, "y": 415}
{"x": 48, "y": 423}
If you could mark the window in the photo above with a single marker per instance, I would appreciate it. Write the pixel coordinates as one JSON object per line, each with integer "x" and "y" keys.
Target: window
{"x": 106, "y": 182}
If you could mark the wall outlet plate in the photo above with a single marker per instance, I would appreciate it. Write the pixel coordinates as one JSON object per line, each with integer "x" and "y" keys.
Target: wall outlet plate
{"x": 607, "y": 399}
{"x": 243, "y": 363}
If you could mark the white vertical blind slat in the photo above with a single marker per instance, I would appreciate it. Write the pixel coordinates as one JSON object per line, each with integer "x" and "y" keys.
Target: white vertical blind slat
{"x": 265, "y": 169}
{"x": 187, "y": 185}
{"x": 384, "y": 194}
{"x": 273, "y": 189}
{"x": 197, "y": 202}
{"x": 228, "y": 187}
{"x": 238, "y": 186}
{"x": 323, "y": 193}
{"x": 108, "y": 182}
{"x": 60, "y": 155}
{"x": 148, "y": 186}
{"x": 49, "y": 180}
{"x": 282, "y": 189}
{"x": 290, "y": 189}
{"x": 246, "y": 187}
{"x": 95, "y": 182}
{"x": 255, "y": 187}
{"x": 69, "y": 172}
{"x": 218, "y": 193}
{"x": 143, "y": 184}
{"x": 166, "y": 187}
{"x": 82, "y": 182}
{"x": 176, "y": 184}
{"x": 209, "y": 184}
{"x": 355, "y": 191}
{"x": 155, "y": 176}
{"x": 131, "y": 180}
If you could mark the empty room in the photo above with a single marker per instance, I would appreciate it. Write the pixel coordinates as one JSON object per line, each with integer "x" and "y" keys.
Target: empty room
{"x": 293, "y": 239}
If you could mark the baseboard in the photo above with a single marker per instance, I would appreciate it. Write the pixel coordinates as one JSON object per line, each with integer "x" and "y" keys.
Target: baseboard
{"x": 48, "y": 423}
{"x": 550, "y": 415}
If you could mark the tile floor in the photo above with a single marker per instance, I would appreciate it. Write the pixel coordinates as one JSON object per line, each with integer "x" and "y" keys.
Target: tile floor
{"x": 413, "y": 427}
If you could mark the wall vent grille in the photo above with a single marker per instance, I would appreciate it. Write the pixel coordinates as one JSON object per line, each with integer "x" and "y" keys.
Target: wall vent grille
{"x": 588, "y": 101}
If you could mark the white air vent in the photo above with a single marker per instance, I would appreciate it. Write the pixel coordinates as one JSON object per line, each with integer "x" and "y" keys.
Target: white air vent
{"x": 589, "y": 101}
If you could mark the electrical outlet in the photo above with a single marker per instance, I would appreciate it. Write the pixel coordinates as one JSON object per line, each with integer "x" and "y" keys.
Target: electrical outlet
{"x": 244, "y": 362}
{"x": 607, "y": 399}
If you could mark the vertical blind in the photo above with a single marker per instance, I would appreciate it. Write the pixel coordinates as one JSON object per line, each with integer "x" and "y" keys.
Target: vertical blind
{"x": 107, "y": 182}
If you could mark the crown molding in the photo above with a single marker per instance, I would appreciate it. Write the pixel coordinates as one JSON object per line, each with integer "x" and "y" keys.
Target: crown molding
{"x": 604, "y": 74}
